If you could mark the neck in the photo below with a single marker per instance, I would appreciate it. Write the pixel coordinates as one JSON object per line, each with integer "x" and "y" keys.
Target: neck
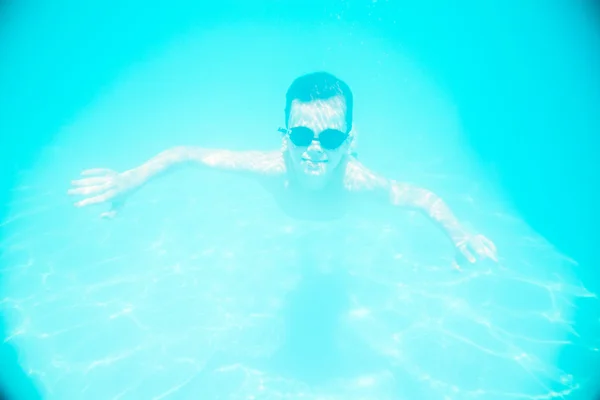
{"x": 334, "y": 184}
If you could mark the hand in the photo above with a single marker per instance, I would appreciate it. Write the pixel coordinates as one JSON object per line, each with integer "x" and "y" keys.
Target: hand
{"x": 101, "y": 186}
{"x": 474, "y": 247}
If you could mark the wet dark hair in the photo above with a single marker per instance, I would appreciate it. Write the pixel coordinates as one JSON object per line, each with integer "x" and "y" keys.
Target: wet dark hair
{"x": 318, "y": 86}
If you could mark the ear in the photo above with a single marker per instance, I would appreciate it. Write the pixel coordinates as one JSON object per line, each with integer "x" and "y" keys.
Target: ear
{"x": 284, "y": 143}
{"x": 352, "y": 140}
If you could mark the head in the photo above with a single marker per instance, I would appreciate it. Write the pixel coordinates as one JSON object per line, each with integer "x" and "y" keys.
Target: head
{"x": 318, "y": 117}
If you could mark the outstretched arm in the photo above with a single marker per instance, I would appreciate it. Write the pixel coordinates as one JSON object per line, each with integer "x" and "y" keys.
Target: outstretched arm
{"x": 425, "y": 201}
{"x": 248, "y": 162}
{"x": 470, "y": 246}
{"x": 104, "y": 185}
{"x": 405, "y": 195}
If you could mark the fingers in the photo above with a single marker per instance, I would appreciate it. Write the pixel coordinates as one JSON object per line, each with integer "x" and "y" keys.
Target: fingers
{"x": 94, "y": 186}
{"x": 487, "y": 248}
{"x": 472, "y": 259}
{"x": 468, "y": 255}
{"x": 456, "y": 266}
{"x": 86, "y": 190}
{"x": 89, "y": 181}
{"x": 96, "y": 200}
{"x": 491, "y": 254}
{"x": 491, "y": 245}
{"x": 90, "y": 186}
{"x": 485, "y": 252}
{"x": 478, "y": 247}
{"x": 97, "y": 171}
{"x": 109, "y": 214}
{"x": 115, "y": 208}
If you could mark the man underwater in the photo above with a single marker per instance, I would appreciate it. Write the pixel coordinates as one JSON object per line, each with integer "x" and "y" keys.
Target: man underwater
{"x": 315, "y": 175}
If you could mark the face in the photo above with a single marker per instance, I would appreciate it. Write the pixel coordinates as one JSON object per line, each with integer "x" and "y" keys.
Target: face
{"x": 315, "y": 163}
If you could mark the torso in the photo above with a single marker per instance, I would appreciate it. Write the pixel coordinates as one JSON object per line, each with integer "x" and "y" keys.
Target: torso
{"x": 330, "y": 203}
{"x": 319, "y": 206}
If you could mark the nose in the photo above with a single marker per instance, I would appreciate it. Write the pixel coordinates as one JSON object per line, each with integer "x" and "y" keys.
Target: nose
{"x": 314, "y": 150}
{"x": 315, "y": 146}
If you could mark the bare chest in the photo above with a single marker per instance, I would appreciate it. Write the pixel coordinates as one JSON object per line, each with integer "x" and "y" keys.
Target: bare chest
{"x": 323, "y": 205}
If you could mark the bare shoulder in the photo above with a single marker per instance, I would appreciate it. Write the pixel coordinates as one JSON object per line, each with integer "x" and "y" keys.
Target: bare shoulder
{"x": 254, "y": 161}
{"x": 275, "y": 162}
{"x": 359, "y": 178}
{"x": 271, "y": 162}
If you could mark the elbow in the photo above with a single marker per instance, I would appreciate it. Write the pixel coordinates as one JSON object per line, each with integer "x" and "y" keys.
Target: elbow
{"x": 414, "y": 197}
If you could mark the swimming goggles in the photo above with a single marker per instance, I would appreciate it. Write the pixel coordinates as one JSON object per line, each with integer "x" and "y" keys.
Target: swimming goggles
{"x": 301, "y": 136}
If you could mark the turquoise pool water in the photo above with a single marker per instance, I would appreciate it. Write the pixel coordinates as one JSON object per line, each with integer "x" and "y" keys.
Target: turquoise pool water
{"x": 203, "y": 288}
{"x": 241, "y": 301}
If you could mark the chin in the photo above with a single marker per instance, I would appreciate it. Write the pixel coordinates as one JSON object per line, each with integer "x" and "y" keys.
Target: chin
{"x": 313, "y": 182}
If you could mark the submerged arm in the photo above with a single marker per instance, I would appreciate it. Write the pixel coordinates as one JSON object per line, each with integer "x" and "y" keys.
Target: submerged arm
{"x": 469, "y": 246}
{"x": 430, "y": 204}
{"x": 358, "y": 178}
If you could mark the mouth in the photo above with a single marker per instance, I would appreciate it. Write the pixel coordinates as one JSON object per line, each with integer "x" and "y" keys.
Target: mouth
{"x": 314, "y": 167}
{"x": 315, "y": 162}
